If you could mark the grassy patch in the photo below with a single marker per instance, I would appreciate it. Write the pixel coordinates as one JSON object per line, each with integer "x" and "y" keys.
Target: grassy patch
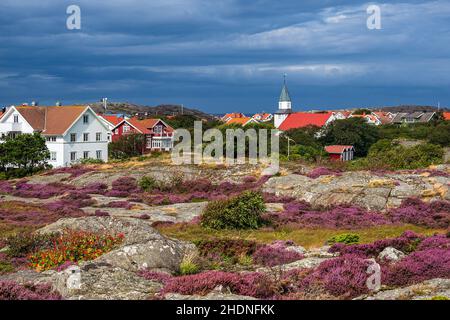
{"x": 308, "y": 238}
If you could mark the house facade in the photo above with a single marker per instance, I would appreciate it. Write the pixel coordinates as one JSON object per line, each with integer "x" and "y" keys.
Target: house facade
{"x": 72, "y": 133}
{"x": 158, "y": 134}
{"x": 414, "y": 117}
{"x": 340, "y": 153}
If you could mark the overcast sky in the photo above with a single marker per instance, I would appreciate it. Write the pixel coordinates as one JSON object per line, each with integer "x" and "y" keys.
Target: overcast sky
{"x": 226, "y": 55}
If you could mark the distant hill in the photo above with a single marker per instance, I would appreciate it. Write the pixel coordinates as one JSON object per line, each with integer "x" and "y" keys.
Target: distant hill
{"x": 409, "y": 108}
{"x": 160, "y": 110}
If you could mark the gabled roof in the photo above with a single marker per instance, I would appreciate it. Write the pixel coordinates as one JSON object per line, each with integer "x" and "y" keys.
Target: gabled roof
{"x": 233, "y": 115}
{"x": 144, "y": 125}
{"x": 51, "y": 120}
{"x": 242, "y": 121}
{"x": 263, "y": 116}
{"x": 446, "y": 115}
{"x": 338, "y": 149}
{"x": 304, "y": 119}
{"x": 111, "y": 118}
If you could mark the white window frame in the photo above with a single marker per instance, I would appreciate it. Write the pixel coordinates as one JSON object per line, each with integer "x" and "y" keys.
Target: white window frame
{"x": 98, "y": 136}
{"x": 16, "y": 118}
{"x": 73, "y": 156}
{"x": 53, "y": 155}
{"x": 98, "y": 154}
{"x": 73, "y": 137}
{"x": 126, "y": 128}
{"x": 86, "y": 119}
{"x": 85, "y": 154}
{"x": 86, "y": 137}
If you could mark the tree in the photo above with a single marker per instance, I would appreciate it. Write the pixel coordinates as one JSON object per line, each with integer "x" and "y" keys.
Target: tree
{"x": 353, "y": 131}
{"x": 26, "y": 152}
{"x": 130, "y": 145}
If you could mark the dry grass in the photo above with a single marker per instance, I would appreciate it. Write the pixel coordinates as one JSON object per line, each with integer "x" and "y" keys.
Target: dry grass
{"x": 308, "y": 238}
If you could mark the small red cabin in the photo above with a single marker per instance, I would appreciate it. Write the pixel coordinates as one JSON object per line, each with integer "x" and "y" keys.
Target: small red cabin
{"x": 340, "y": 153}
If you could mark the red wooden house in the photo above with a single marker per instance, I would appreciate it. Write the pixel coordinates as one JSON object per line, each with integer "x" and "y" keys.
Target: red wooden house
{"x": 340, "y": 153}
{"x": 158, "y": 134}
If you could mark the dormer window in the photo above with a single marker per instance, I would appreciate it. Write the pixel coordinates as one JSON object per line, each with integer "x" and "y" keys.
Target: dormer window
{"x": 158, "y": 129}
{"x": 86, "y": 119}
{"x": 126, "y": 128}
{"x": 16, "y": 118}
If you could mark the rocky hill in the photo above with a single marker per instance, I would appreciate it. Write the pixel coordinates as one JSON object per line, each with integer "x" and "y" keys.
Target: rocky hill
{"x": 160, "y": 110}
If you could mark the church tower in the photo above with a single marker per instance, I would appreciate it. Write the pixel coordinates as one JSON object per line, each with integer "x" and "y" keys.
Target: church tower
{"x": 284, "y": 105}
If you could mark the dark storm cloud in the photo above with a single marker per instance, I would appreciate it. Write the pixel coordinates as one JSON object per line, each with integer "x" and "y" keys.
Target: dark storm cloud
{"x": 225, "y": 54}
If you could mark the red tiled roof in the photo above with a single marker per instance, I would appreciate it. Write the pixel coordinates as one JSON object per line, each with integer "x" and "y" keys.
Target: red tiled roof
{"x": 111, "y": 119}
{"x": 446, "y": 116}
{"x": 304, "y": 119}
{"x": 241, "y": 121}
{"x": 145, "y": 125}
{"x": 337, "y": 149}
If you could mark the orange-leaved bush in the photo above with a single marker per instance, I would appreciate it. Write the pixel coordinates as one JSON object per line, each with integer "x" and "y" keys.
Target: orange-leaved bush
{"x": 74, "y": 246}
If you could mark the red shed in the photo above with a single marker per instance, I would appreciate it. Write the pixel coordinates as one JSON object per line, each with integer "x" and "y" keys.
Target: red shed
{"x": 342, "y": 153}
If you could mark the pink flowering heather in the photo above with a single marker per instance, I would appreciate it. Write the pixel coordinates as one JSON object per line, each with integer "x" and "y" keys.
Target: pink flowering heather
{"x": 74, "y": 171}
{"x": 253, "y": 284}
{"x": 343, "y": 276}
{"x": 65, "y": 265}
{"x": 95, "y": 188}
{"x": 100, "y": 213}
{"x": 155, "y": 276}
{"x": 41, "y": 191}
{"x": 275, "y": 254}
{"x": 10, "y": 290}
{"x": 406, "y": 243}
{"x": 322, "y": 171}
{"x": 434, "y": 214}
{"x": 301, "y": 215}
{"x": 125, "y": 186}
{"x": 417, "y": 267}
{"x": 439, "y": 241}
{"x": 119, "y": 204}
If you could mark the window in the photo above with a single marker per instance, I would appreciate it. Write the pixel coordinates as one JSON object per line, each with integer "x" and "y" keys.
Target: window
{"x": 116, "y": 131}
{"x": 98, "y": 136}
{"x": 126, "y": 128}
{"x": 86, "y": 155}
{"x": 50, "y": 139}
{"x": 16, "y": 118}
{"x": 158, "y": 129}
{"x": 86, "y": 119}
{"x": 99, "y": 154}
{"x": 85, "y": 137}
{"x": 53, "y": 156}
{"x": 73, "y": 137}
{"x": 73, "y": 156}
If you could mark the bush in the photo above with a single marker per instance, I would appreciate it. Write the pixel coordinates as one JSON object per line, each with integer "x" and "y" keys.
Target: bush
{"x": 23, "y": 244}
{"x": 275, "y": 254}
{"x": 345, "y": 238}
{"x": 417, "y": 267}
{"x": 254, "y": 284}
{"x": 130, "y": 145}
{"x": 224, "y": 252}
{"x": 435, "y": 214}
{"x": 387, "y": 154}
{"x": 148, "y": 184}
{"x": 240, "y": 212}
{"x": 188, "y": 267}
{"x": 74, "y": 246}
{"x": 10, "y": 290}
{"x": 91, "y": 161}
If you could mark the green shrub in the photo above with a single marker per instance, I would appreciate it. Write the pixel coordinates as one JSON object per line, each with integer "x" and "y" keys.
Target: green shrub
{"x": 387, "y": 154}
{"x": 346, "y": 238}
{"x": 240, "y": 212}
{"x": 188, "y": 267}
{"x": 440, "y": 298}
{"x": 91, "y": 161}
{"x": 148, "y": 183}
{"x": 6, "y": 267}
{"x": 22, "y": 244}
{"x": 156, "y": 154}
